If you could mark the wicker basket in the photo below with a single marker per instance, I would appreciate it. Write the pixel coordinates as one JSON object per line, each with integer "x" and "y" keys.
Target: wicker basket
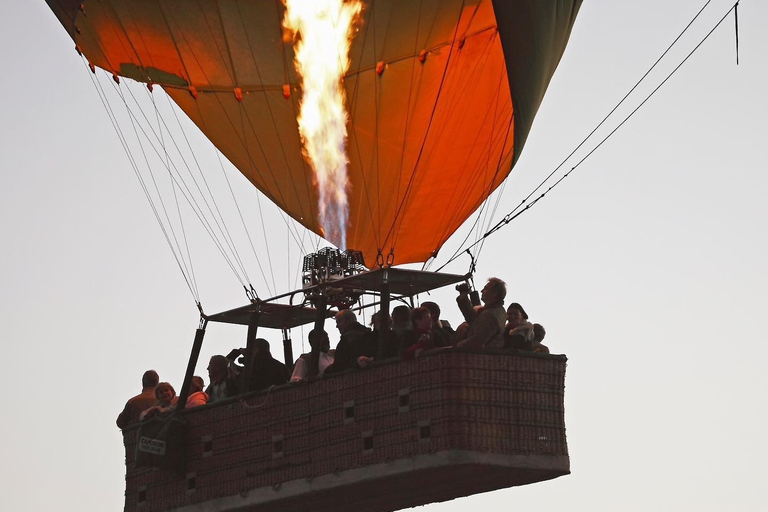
{"x": 396, "y": 435}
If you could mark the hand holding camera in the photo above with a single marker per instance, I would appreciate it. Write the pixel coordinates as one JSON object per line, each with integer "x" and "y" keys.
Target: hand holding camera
{"x": 462, "y": 288}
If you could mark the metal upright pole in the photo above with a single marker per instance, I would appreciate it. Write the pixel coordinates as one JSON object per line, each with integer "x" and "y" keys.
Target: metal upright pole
{"x": 250, "y": 347}
{"x": 322, "y": 306}
{"x": 193, "y": 357}
{"x": 314, "y": 358}
{"x": 287, "y": 349}
{"x": 384, "y": 313}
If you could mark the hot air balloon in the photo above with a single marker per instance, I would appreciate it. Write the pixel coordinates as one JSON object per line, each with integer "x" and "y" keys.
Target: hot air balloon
{"x": 438, "y": 99}
{"x": 441, "y": 96}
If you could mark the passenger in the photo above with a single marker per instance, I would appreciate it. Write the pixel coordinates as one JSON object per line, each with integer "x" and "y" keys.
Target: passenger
{"x": 223, "y": 384}
{"x": 422, "y": 324}
{"x": 352, "y": 350}
{"x": 538, "y": 337}
{"x": 485, "y": 324}
{"x": 440, "y": 335}
{"x": 391, "y": 344}
{"x": 316, "y": 361}
{"x": 197, "y": 396}
{"x": 166, "y": 401}
{"x": 401, "y": 320}
{"x": 235, "y": 362}
{"x": 136, "y": 405}
{"x": 518, "y": 333}
{"x": 266, "y": 371}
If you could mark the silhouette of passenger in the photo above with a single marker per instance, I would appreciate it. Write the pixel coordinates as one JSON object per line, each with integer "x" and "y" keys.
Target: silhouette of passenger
{"x": 314, "y": 363}
{"x": 197, "y": 396}
{"x": 538, "y": 337}
{"x": 353, "y": 350}
{"x": 266, "y": 370}
{"x": 166, "y": 401}
{"x": 401, "y": 320}
{"x": 222, "y": 385}
{"x": 518, "y": 333}
{"x": 485, "y": 323}
{"x": 441, "y": 336}
{"x": 379, "y": 323}
{"x": 422, "y": 331}
{"x": 139, "y": 403}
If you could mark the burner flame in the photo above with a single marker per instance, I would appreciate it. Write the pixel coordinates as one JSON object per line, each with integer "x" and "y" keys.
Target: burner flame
{"x": 322, "y": 32}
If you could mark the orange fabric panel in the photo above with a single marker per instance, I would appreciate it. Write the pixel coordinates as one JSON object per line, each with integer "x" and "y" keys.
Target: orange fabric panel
{"x": 416, "y": 171}
{"x": 429, "y": 138}
{"x": 423, "y": 165}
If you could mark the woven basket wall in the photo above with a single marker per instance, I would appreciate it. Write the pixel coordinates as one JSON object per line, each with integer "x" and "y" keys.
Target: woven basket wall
{"x": 490, "y": 403}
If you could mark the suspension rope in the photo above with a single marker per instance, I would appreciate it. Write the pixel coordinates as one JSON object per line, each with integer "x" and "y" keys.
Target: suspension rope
{"x": 191, "y": 269}
{"x": 221, "y": 236}
{"x": 258, "y": 202}
{"x": 123, "y": 141}
{"x": 151, "y": 174}
{"x": 517, "y": 212}
{"x": 240, "y": 213}
{"x": 223, "y": 227}
{"x": 224, "y": 231}
{"x": 291, "y": 228}
{"x": 637, "y": 84}
{"x": 736, "y": 24}
{"x": 489, "y": 215}
{"x": 220, "y": 223}
{"x": 190, "y": 199}
{"x": 189, "y": 196}
{"x": 243, "y": 141}
{"x": 485, "y": 211}
{"x": 258, "y": 199}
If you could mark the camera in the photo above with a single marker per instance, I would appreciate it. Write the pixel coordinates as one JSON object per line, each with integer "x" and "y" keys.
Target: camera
{"x": 462, "y": 288}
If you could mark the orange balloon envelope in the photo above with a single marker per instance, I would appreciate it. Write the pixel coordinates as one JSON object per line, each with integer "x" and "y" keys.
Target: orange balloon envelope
{"x": 441, "y": 95}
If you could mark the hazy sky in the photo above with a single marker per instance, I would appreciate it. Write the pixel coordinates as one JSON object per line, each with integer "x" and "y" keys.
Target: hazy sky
{"x": 647, "y": 266}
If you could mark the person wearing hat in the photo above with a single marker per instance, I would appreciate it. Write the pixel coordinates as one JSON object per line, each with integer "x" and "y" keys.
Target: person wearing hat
{"x": 518, "y": 333}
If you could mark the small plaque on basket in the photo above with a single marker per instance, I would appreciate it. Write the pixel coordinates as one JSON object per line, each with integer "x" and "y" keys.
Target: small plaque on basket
{"x": 149, "y": 445}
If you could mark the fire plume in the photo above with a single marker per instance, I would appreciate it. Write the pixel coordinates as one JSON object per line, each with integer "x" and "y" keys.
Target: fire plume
{"x": 323, "y": 30}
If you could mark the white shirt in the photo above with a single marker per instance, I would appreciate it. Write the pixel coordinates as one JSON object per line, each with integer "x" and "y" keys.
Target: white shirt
{"x": 218, "y": 391}
{"x": 301, "y": 368}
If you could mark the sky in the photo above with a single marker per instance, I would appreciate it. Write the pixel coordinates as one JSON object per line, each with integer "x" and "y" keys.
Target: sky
{"x": 646, "y": 265}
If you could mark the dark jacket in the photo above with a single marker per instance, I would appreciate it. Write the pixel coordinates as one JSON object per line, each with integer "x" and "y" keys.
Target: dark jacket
{"x": 442, "y": 337}
{"x": 391, "y": 345}
{"x": 267, "y": 371}
{"x": 521, "y": 338}
{"x": 135, "y": 406}
{"x": 353, "y": 344}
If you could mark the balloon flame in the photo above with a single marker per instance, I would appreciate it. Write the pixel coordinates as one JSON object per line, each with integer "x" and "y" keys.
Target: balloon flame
{"x": 323, "y": 30}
